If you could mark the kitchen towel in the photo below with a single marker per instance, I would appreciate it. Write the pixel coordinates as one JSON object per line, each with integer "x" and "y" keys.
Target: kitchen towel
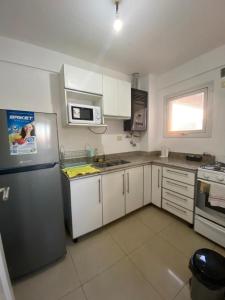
{"x": 217, "y": 195}
{"x": 80, "y": 170}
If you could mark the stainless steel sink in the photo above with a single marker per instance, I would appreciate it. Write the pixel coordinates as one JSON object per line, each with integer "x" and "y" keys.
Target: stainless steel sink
{"x": 110, "y": 163}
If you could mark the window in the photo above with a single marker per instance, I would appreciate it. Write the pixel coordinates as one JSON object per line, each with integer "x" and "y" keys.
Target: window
{"x": 188, "y": 114}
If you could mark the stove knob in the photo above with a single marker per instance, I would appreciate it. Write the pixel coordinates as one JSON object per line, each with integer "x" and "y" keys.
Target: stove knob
{"x": 206, "y": 176}
{"x": 220, "y": 178}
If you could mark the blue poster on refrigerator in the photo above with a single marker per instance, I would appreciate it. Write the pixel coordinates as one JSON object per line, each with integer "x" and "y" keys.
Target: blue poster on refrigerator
{"x": 21, "y": 132}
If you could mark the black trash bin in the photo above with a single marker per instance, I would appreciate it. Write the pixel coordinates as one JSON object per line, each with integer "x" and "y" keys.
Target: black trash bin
{"x": 208, "y": 280}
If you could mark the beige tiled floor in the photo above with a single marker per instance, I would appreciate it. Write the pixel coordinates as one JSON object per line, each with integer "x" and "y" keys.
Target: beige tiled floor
{"x": 141, "y": 257}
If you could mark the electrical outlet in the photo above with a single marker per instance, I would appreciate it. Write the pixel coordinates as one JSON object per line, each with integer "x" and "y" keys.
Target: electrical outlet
{"x": 119, "y": 137}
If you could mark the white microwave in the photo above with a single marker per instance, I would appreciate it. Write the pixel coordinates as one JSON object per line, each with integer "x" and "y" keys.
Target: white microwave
{"x": 84, "y": 114}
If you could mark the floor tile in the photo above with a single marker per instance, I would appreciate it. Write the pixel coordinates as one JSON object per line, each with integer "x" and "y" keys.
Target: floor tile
{"x": 121, "y": 282}
{"x": 220, "y": 250}
{"x": 75, "y": 295}
{"x": 94, "y": 254}
{"x": 184, "y": 294}
{"x": 130, "y": 234}
{"x": 163, "y": 266}
{"x": 50, "y": 284}
{"x": 185, "y": 238}
{"x": 155, "y": 218}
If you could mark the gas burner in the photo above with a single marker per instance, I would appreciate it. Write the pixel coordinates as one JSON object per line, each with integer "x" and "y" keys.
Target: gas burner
{"x": 218, "y": 166}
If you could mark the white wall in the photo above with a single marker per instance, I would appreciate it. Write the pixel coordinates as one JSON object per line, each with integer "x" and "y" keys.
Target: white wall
{"x": 29, "y": 80}
{"x": 200, "y": 70}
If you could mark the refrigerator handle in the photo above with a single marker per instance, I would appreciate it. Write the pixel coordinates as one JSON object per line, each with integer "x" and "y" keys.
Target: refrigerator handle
{"x": 5, "y": 191}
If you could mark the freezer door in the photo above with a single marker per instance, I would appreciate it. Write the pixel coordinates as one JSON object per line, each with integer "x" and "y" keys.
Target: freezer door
{"x": 47, "y": 143}
{"x": 31, "y": 219}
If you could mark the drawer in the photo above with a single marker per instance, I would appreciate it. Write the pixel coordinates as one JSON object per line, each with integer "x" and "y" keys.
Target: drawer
{"x": 179, "y": 175}
{"x": 178, "y": 211}
{"x": 212, "y": 231}
{"x": 179, "y": 199}
{"x": 179, "y": 187}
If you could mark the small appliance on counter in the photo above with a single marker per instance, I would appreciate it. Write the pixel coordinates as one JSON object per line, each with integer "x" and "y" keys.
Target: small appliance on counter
{"x": 164, "y": 152}
{"x": 31, "y": 204}
{"x": 139, "y": 103}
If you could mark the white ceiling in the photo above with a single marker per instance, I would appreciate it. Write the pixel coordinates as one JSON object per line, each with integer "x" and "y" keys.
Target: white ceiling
{"x": 157, "y": 34}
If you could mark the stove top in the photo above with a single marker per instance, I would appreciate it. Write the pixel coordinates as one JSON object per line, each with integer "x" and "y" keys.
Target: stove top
{"x": 218, "y": 167}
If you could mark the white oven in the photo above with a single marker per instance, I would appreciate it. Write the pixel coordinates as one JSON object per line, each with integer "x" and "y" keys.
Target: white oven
{"x": 210, "y": 218}
{"x": 84, "y": 114}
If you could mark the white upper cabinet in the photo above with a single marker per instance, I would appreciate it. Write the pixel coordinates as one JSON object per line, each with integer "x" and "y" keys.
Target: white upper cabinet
{"x": 82, "y": 80}
{"x": 110, "y": 96}
{"x": 116, "y": 98}
{"x": 124, "y": 98}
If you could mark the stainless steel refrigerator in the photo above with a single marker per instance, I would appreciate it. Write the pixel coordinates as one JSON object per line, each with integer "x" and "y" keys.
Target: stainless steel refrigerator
{"x": 31, "y": 206}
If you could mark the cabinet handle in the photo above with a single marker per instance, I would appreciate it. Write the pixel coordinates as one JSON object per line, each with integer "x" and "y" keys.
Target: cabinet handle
{"x": 176, "y": 196}
{"x": 128, "y": 183}
{"x": 5, "y": 191}
{"x": 181, "y": 210}
{"x": 158, "y": 177}
{"x": 123, "y": 184}
{"x": 99, "y": 190}
{"x": 176, "y": 184}
{"x": 176, "y": 172}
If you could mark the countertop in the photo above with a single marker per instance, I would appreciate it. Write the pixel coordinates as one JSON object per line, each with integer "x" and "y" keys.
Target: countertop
{"x": 139, "y": 159}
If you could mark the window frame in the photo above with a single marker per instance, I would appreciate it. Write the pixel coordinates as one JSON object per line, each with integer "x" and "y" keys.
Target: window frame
{"x": 207, "y": 113}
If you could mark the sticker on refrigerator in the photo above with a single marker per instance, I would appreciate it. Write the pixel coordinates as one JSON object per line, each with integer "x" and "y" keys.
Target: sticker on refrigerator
{"x": 21, "y": 131}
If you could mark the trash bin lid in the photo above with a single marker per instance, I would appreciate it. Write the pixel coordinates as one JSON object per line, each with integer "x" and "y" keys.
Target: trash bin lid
{"x": 209, "y": 267}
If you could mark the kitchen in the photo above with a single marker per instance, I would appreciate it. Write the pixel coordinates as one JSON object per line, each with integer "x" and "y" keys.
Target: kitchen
{"x": 32, "y": 61}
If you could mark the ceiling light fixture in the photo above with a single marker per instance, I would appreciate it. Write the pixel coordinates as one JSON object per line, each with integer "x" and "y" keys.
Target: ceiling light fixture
{"x": 118, "y": 24}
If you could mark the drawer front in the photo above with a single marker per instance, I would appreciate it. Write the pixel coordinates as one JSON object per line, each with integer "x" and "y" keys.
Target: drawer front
{"x": 179, "y": 187}
{"x": 211, "y": 230}
{"x": 179, "y": 175}
{"x": 180, "y": 212}
{"x": 179, "y": 199}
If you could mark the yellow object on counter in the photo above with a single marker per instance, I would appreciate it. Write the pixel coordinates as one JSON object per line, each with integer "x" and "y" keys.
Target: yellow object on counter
{"x": 80, "y": 170}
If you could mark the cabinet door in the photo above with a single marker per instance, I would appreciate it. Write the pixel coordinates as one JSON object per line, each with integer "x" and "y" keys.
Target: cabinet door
{"x": 134, "y": 188}
{"x": 147, "y": 184}
{"x": 86, "y": 205}
{"x": 110, "y": 96}
{"x": 124, "y": 98}
{"x": 156, "y": 185}
{"x": 82, "y": 80}
{"x": 113, "y": 191}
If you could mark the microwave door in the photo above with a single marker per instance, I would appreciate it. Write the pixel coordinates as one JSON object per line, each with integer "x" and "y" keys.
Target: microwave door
{"x": 82, "y": 114}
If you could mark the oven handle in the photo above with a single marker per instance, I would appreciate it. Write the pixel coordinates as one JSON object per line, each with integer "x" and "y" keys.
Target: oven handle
{"x": 206, "y": 181}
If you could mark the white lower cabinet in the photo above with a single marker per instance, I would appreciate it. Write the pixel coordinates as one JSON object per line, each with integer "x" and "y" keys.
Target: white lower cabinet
{"x": 134, "y": 188}
{"x": 147, "y": 184}
{"x": 157, "y": 185}
{"x": 86, "y": 205}
{"x": 178, "y": 193}
{"x": 113, "y": 191}
{"x": 178, "y": 210}
{"x": 92, "y": 202}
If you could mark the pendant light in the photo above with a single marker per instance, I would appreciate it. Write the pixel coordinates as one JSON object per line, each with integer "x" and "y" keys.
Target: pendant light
{"x": 118, "y": 24}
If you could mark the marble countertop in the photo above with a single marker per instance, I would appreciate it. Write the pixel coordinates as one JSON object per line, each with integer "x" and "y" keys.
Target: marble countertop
{"x": 138, "y": 159}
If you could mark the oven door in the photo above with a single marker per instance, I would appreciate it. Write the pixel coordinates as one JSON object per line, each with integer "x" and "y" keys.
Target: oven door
{"x": 203, "y": 206}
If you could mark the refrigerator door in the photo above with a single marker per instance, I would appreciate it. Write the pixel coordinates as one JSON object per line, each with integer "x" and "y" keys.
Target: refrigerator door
{"x": 31, "y": 219}
{"x": 6, "y": 291}
{"x": 47, "y": 143}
